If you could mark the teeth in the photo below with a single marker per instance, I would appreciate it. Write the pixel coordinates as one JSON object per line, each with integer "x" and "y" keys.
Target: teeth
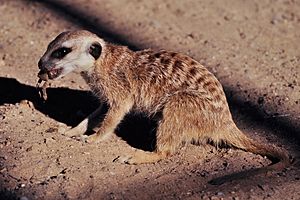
{"x": 51, "y": 74}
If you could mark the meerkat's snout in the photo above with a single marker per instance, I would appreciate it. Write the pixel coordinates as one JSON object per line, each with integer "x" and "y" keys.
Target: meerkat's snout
{"x": 49, "y": 64}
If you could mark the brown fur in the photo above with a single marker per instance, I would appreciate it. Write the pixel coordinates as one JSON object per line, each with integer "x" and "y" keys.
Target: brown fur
{"x": 191, "y": 99}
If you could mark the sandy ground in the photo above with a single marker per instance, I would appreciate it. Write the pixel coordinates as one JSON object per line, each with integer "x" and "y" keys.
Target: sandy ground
{"x": 251, "y": 46}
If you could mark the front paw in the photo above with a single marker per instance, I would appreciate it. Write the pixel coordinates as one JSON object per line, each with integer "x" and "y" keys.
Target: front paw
{"x": 63, "y": 129}
{"x": 72, "y": 132}
{"x": 93, "y": 139}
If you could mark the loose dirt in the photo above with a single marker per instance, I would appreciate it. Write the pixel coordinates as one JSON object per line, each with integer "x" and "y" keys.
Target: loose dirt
{"x": 251, "y": 46}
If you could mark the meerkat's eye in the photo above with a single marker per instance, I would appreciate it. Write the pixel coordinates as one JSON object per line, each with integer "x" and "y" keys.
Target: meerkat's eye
{"x": 95, "y": 50}
{"x": 61, "y": 52}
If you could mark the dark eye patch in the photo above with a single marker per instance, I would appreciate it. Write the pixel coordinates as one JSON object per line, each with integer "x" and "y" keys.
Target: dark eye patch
{"x": 61, "y": 52}
{"x": 95, "y": 50}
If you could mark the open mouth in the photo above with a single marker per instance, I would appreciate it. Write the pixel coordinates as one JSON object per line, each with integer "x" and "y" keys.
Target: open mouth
{"x": 49, "y": 74}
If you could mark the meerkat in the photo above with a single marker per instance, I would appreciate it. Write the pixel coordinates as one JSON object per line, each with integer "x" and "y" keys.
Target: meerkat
{"x": 191, "y": 100}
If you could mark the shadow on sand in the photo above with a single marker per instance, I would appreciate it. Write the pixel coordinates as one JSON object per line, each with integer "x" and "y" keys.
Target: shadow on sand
{"x": 64, "y": 104}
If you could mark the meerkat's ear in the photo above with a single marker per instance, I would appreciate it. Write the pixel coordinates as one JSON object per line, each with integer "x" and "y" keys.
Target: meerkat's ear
{"x": 95, "y": 50}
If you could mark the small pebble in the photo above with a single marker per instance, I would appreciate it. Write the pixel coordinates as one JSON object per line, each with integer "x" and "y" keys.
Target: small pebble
{"x": 112, "y": 173}
{"x": 220, "y": 193}
{"x": 61, "y": 130}
{"x": 2, "y": 63}
{"x": 51, "y": 130}
{"x": 48, "y": 140}
{"x": 3, "y": 170}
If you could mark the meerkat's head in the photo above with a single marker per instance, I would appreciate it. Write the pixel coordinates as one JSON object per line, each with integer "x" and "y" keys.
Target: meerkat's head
{"x": 76, "y": 50}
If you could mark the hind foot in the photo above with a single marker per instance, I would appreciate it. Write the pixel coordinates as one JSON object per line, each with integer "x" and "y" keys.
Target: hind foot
{"x": 141, "y": 157}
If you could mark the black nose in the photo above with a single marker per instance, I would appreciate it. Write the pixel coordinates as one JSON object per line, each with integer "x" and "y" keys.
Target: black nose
{"x": 40, "y": 64}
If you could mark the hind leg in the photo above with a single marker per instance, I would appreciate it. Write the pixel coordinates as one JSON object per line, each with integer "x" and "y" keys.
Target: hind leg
{"x": 175, "y": 128}
{"x": 168, "y": 141}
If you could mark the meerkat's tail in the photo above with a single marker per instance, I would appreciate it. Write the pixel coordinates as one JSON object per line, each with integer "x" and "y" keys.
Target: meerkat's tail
{"x": 238, "y": 139}
{"x": 279, "y": 158}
